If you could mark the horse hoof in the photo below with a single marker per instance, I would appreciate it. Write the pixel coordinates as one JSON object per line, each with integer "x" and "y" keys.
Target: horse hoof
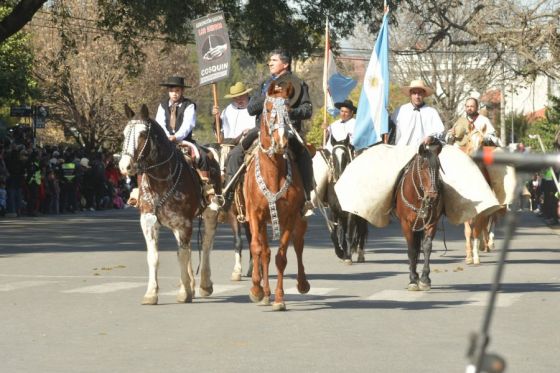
{"x": 206, "y": 292}
{"x": 236, "y": 276}
{"x": 265, "y": 301}
{"x": 258, "y": 297}
{"x": 184, "y": 298}
{"x": 279, "y": 306}
{"x": 424, "y": 286}
{"x": 361, "y": 259}
{"x": 347, "y": 261}
{"x": 150, "y": 300}
{"x": 469, "y": 260}
{"x": 303, "y": 287}
{"x": 413, "y": 287}
{"x": 476, "y": 262}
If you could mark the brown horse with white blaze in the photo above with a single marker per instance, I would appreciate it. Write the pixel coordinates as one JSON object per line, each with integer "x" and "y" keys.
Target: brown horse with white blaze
{"x": 274, "y": 193}
{"x": 170, "y": 195}
{"x": 419, "y": 205}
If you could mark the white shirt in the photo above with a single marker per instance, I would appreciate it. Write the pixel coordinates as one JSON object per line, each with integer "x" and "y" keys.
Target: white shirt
{"x": 188, "y": 124}
{"x": 413, "y": 126}
{"x": 482, "y": 121}
{"x": 235, "y": 121}
{"x": 339, "y": 130}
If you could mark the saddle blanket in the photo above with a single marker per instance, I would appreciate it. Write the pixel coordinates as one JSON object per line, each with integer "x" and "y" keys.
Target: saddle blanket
{"x": 366, "y": 186}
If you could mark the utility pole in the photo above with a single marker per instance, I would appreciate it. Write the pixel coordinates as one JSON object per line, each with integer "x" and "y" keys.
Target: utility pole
{"x": 503, "y": 107}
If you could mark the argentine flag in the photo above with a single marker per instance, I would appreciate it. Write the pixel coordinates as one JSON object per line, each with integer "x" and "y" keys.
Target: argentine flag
{"x": 372, "y": 119}
{"x": 338, "y": 86}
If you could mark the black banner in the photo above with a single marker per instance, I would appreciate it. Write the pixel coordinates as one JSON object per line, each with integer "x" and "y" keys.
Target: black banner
{"x": 213, "y": 48}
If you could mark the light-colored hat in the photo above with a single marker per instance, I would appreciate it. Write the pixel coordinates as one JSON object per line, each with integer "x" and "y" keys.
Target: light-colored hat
{"x": 84, "y": 162}
{"x": 418, "y": 84}
{"x": 238, "y": 89}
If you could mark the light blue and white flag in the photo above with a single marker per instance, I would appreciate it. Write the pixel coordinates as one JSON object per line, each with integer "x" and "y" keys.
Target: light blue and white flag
{"x": 372, "y": 119}
{"x": 336, "y": 86}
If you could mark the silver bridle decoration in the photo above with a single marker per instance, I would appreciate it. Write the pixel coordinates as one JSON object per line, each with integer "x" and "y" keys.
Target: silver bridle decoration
{"x": 279, "y": 111}
{"x": 147, "y": 195}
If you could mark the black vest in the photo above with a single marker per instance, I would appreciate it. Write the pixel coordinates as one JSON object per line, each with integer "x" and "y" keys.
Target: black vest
{"x": 185, "y": 102}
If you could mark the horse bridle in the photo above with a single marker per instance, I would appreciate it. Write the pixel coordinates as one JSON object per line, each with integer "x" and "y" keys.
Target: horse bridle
{"x": 279, "y": 112}
{"x": 424, "y": 212}
{"x": 131, "y": 130}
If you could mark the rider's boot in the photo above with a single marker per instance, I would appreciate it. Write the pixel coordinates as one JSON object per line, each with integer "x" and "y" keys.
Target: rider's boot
{"x": 208, "y": 189}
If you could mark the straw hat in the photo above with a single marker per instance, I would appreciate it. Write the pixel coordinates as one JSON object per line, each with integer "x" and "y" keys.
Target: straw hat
{"x": 238, "y": 89}
{"x": 417, "y": 84}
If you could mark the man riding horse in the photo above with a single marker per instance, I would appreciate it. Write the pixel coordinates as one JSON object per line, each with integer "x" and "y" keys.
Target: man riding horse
{"x": 300, "y": 108}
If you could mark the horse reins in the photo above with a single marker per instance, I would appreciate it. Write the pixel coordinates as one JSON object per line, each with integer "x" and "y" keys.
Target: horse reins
{"x": 424, "y": 212}
{"x": 147, "y": 195}
{"x": 278, "y": 111}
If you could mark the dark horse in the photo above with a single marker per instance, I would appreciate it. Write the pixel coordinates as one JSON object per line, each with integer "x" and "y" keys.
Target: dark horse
{"x": 273, "y": 192}
{"x": 232, "y": 214}
{"x": 349, "y": 231}
{"x": 419, "y": 205}
{"x": 170, "y": 195}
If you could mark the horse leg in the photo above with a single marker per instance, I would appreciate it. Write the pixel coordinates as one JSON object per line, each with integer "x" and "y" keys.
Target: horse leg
{"x": 347, "y": 238}
{"x": 361, "y": 229}
{"x": 238, "y": 245}
{"x": 248, "y": 237}
{"x": 281, "y": 262}
{"x": 490, "y": 230}
{"x": 258, "y": 239}
{"x": 298, "y": 236}
{"x": 187, "y": 281}
{"x": 210, "y": 225}
{"x": 469, "y": 249}
{"x": 150, "y": 228}
{"x": 413, "y": 243}
{"x": 425, "y": 282}
{"x": 334, "y": 238}
{"x": 485, "y": 234}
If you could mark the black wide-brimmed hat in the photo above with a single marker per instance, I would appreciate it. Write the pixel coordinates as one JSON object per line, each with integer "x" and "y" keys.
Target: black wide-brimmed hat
{"x": 347, "y": 104}
{"x": 175, "y": 81}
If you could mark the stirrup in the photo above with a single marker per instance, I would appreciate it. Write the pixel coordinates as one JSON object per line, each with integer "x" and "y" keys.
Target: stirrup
{"x": 307, "y": 209}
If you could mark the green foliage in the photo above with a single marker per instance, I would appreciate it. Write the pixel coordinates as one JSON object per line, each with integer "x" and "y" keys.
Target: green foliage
{"x": 16, "y": 62}
{"x": 546, "y": 128}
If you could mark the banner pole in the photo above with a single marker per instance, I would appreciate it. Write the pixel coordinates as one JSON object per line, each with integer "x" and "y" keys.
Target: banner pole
{"x": 325, "y": 83}
{"x": 217, "y": 118}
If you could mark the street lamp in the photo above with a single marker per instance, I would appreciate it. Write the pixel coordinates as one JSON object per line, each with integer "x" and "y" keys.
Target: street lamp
{"x": 538, "y": 137}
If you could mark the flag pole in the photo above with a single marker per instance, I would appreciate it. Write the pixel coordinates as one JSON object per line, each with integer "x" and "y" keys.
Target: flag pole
{"x": 217, "y": 117}
{"x": 325, "y": 83}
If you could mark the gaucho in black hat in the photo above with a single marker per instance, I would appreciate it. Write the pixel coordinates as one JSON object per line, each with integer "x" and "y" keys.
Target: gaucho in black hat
{"x": 176, "y": 114}
{"x": 344, "y": 127}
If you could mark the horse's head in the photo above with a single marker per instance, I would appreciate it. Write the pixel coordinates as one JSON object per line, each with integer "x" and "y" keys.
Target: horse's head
{"x": 136, "y": 144}
{"x": 341, "y": 155}
{"x": 428, "y": 170}
{"x": 275, "y": 119}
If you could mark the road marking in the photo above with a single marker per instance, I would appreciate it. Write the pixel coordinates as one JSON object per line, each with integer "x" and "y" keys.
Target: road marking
{"x": 312, "y": 291}
{"x": 396, "y": 295}
{"x": 502, "y": 300}
{"x": 109, "y": 287}
{"x": 23, "y": 284}
{"x": 218, "y": 289}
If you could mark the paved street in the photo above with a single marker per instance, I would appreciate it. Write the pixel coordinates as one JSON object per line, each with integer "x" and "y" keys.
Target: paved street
{"x": 71, "y": 288}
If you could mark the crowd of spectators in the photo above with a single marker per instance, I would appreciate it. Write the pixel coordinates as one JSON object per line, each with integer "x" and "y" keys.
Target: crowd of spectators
{"x": 544, "y": 196}
{"x": 37, "y": 180}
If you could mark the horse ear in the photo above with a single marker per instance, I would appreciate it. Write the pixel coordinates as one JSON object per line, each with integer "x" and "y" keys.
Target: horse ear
{"x": 144, "y": 112}
{"x": 271, "y": 89}
{"x": 289, "y": 90}
{"x": 128, "y": 111}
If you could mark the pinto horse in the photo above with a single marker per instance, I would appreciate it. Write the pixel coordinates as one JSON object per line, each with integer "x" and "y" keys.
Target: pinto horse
{"x": 419, "y": 205}
{"x": 170, "y": 195}
{"x": 349, "y": 231}
{"x": 273, "y": 192}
